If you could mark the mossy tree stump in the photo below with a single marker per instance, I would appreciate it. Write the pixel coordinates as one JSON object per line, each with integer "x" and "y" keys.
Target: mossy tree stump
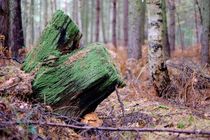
{"x": 73, "y": 81}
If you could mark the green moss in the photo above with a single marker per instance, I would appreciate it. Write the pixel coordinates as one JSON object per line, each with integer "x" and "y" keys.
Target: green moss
{"x": 72, "y": 81}
{"x": 84, "y": 82}
{"x": 60, "y": 34}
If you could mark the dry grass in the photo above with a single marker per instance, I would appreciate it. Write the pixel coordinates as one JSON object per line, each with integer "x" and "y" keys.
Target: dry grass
{"x": 188, "y": 109}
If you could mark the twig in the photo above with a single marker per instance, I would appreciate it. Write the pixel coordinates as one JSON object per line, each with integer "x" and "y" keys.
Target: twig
{"x": 196, "y": 132}
{"x": 121, "y": 103}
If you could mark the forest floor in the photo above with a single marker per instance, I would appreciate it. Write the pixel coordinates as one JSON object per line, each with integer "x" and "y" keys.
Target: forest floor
{"x": 136, "y": 105}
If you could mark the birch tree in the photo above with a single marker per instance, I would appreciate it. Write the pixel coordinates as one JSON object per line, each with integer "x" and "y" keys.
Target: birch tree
{"x": 157, "y": 67}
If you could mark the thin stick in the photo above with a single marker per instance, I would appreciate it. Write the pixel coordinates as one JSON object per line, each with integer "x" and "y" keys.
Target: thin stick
{"x": 196, "y": 132}
{"x": 121, "y": 103}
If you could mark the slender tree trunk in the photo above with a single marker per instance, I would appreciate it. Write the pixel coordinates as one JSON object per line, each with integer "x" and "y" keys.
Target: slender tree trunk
{"x": 205, "y": 32}
{"x": 53, "y": 4}
{"x": 92, "y": 20}
{"x": 102, "y": 21}
{"x": 196, "y": 23}
{"x": 25, "y": 12}
{"x": 85, "y": 19}
{"x": 181, "y": 34}
{"x": 114, "y": 22}
{"x": 110, "y": 21}
{"x": 125, "y": 22}
{"x": 166, "y": 45}
{"x": 16, "y": 30}
{"x": 119, "y": 23}
{"x": 136, "y": 30}
{"x": 172, "y": 23}
{"x": 98, "y": 9}
{"x": 87, "y": 9}
{"x": 198, "y": 26}
{"x": 31, "y": 23}
{"x": 45, "y": 6}
{"x": 40, "y": 17}
{"x": 4, "y": 22}
{"x": 75, "y": 11}
{"x": 157, "y": 67}
{"x": 143, "y": 17}
{"x": 79, "y": 15}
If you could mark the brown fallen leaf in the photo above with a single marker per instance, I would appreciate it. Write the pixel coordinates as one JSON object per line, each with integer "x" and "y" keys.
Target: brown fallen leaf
{"x": 92, "y": 119}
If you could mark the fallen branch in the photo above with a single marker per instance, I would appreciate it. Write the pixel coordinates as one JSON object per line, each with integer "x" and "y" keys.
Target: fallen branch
{"x": 195, "y": 132}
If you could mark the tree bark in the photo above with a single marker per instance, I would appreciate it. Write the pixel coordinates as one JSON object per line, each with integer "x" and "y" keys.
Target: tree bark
{"x": 84, "y": 20}
{"x": 4, "y": 22}
{"x": 98, "y": 9}
{"x": 181, "y": 34}
{"x": 114, "y": 22}
{"x": 136, "y": 30}
{"x": 119, "y": 23}
{"x": 125, "y": 22}
{"x": 172, "y": 24}
{"x": 92, "y": 17}
{"x": 103, "y": 22}
{"x": 16, "y": 30}
{"x": 157, "y": 66}
{"x": 45, "y": 6}
{"x": 205, "y": 32}
{"x": 166, "y": 45}
{"x": 31, "y": 23}
{"x": 75, "y": 11}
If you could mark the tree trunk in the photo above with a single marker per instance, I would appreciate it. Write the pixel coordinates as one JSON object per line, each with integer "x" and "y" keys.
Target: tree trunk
{"x": 119, "y": 23}
{"x": 143, "y": 17}
{"x": 92, "y": 20}
{"x": 136, "y": 30}
{"x": 73, "y": 83}
{"x": 172, "y": 23}
{"x": 84, "y": 20}
{"x": 157, "y": 66}
{"x": 166, "y": 45}
{"x": 16, "y": 30}
{"x": 45, "y": 6}
{"x": 103, "y": 22}
{"x": 31, "y": 23}
{"x": 125, "y": 22}
{"x": 75, "y": 11}
{"x": 181, "y": 34}
{"x": 114, "y": 22}
{"x": 4, "y": 22}
{"x": 53, "y": 4}
{"x": 98, "y": 9}
{"x": 87, "y": 8}
{"x": 205, "y": 32}
{"x": 196, "y": 23}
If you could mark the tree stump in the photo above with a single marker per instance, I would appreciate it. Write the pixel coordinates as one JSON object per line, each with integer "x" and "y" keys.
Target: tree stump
{"x": 60, "y": 37}
{"x": 72, "y": 82}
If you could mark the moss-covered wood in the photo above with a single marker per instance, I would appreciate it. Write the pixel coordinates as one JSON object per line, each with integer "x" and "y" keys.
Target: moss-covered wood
{"x": 61, "y": 36}
{"x": 79, "y": 81}
{"x": 72, "y": 82}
